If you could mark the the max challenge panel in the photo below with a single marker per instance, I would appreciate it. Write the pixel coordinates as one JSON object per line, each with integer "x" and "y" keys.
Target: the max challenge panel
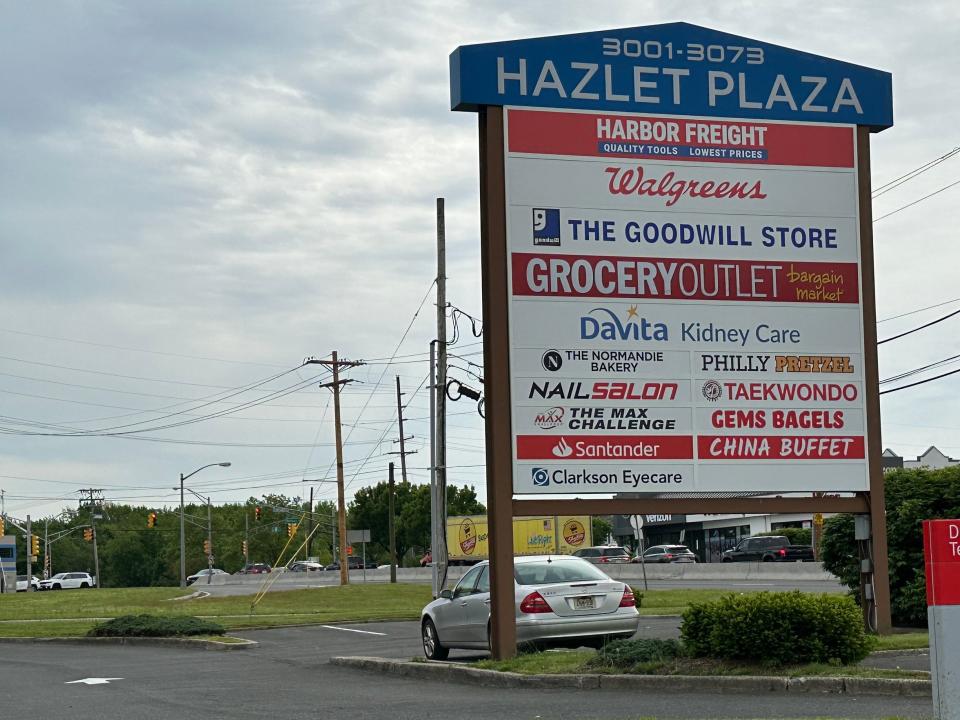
{"x": 685, "y": 310}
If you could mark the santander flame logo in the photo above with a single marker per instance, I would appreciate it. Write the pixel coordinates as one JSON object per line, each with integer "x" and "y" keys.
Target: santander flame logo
{"x": 632, "y": 181}
{"x": 562, "y": 450}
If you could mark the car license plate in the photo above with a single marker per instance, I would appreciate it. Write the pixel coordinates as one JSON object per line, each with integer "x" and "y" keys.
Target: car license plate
{"x": 583, "y": 603}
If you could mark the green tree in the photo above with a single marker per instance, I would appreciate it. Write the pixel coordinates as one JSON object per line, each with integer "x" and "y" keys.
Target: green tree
{"x": 601, "y": 528}
{"x": 369, "y": 510}
{"x": 912, "y": 496}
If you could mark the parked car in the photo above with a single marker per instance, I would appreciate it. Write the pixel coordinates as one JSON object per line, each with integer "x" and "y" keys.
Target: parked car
{"x": 667, "y": 554}
{"x": 604, "y": 554}
{"x": 67, "y": 581}
{"x": 769, "y": 548}
{"x": 353, "y": 563}
{"x": 22, "y": 583}
{"x": 202, "y": 574}
{"x": 254, "y": 569}
{"x": 306, "y": 566}
{"x": 561, "y": 601}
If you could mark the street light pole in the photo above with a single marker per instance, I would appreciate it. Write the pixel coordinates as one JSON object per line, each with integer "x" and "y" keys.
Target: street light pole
{"x": 183, "y": 556}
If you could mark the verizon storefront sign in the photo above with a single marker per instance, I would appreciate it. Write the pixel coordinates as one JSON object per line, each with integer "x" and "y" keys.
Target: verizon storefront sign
{"x": 685, "y": 310}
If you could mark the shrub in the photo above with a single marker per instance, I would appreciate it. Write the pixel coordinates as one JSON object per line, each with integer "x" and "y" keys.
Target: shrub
{"x": 155, "y": 626}
{"x": 777, "y": 628}
{"x": 912, "y": 496}
{"x": 626, "y": 654}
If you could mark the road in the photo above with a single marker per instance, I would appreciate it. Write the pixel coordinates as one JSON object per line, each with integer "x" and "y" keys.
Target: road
{"x": 288, "y": 676}
{"x": 297, "y": 581}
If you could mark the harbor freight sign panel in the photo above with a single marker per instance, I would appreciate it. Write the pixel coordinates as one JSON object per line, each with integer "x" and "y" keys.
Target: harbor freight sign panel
{"x": 684, "y": 260}
{"x": 685, "y": 304}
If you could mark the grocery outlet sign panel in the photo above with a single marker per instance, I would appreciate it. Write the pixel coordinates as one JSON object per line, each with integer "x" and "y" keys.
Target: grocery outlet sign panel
{"x": 684, "y": 260}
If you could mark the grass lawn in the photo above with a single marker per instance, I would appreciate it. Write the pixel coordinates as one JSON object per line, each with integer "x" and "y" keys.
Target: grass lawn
{"x": 66, "y": 612}
{"x": 578, "y": 661}
{"x": 674, "y": 602}
{"x": 904, "y": 641}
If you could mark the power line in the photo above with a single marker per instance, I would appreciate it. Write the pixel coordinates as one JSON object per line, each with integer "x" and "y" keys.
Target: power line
{"x": 917, "y": 329}
{"x": 920, "y": 382}
{"x": 916, "y": 172}
{"x": 916, "y": 371}
{"x": 918, "y": 200}
{"x": 919, "y": 310}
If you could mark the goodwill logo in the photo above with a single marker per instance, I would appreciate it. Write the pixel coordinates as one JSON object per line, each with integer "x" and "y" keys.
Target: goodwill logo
{"x": 603, "y": 324}
{"x": 541, "y": 478}
{"x": 546, "y": 227}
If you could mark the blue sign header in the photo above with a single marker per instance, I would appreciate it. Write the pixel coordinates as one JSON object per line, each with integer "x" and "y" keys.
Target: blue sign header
{"x": 671, "y": 69}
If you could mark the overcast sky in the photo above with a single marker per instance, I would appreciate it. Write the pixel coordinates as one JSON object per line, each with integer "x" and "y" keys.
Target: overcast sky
{"x": 194, "y": 197}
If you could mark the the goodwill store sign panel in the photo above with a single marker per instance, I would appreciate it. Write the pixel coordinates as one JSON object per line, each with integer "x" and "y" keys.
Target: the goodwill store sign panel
{"x": 685, "y": 310}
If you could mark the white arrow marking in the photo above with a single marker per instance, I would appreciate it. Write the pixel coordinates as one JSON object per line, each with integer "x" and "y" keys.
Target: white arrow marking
{"x": 92, "y": 681}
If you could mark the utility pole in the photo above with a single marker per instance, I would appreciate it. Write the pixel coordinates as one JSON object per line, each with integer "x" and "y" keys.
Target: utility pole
{"x": 440, "y": 392}
{"x": 209, "y": 542}
{"x": 391, "y": 528}
{"x": 47, "y": 560}
{"x": 94, "y": 502}
{"x": 246, "y": 539}
{"x": 309, "y": 524}
{"x": 334, "y": 363}
{"x": 29, "y": 550}
{"x": 183, "y": 546}
{"x": 403, "y": 452}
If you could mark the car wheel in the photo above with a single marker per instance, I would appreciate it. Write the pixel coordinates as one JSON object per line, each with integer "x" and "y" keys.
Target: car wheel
{"x": 725, "y": 560}
{"x": 431, "y": 642}
{"x": 84, "y": 585}
{"x": 767, "y": 558}
{"x": 57, "y": 587}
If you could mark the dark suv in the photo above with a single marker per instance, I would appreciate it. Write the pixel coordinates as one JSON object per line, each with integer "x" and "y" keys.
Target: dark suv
{"x": 603, "y": 554}
{"x": 769, "y": 548}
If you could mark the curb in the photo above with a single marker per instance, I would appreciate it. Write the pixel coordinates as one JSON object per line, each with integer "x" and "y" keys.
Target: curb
{"x": 452, "y": 672}
{"x": 908, "y": 651}
{"x": 187, "y": 643}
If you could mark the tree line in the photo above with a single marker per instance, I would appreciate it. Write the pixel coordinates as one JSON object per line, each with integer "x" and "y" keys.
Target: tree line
{"x": 131, "y": 554}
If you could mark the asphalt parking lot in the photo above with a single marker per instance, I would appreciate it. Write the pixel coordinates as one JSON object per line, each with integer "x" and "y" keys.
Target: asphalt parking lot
{"x": 288, "y": 675}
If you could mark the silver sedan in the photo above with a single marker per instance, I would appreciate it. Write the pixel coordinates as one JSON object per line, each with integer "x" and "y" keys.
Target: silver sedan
{"x": 560, "y": 601}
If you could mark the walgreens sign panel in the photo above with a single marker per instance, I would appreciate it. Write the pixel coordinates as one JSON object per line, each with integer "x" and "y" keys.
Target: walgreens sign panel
{"x": 718, "y": 258}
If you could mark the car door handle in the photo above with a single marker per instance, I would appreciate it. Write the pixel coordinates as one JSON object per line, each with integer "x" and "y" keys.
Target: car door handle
{"x": 463, "y": 604}
{"x": 487, "y": 601}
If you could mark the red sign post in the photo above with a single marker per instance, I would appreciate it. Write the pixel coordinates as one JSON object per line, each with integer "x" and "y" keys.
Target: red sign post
{"x": 941, "y": 556}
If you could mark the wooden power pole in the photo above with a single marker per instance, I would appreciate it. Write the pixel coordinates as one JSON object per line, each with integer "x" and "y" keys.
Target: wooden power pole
{"x": 334, "y": 363}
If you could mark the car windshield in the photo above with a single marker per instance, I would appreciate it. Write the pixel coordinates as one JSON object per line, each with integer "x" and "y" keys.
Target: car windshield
{"x": 544, "y": 572}
{"x": 58, "y": 576}
{"x": 615, "y": 551}
{"x": 678, "y": 549}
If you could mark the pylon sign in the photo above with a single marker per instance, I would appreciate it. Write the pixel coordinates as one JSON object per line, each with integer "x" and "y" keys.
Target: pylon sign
{"x": 675, "y": 68}
{"x": 684, "y": 260}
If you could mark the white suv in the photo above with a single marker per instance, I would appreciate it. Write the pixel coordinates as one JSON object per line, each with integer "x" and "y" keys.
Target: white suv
{"x": 65, "y": 581}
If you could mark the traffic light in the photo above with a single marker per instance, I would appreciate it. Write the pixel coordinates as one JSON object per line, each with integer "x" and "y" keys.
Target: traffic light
{"x": 152, "y": 520}
{"x": 257, "y": 513}
{"x": 292, "y": 529}
{"x": 3, "y": 526}
{"x": 245, "y": 549}
{"x": 206, "y": 547}
{"x": 88, "y": 534}
{"x": 34, "y": 545}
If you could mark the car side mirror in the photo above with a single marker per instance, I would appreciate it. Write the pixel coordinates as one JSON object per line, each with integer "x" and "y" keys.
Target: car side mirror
{"x": 446, "y": 594}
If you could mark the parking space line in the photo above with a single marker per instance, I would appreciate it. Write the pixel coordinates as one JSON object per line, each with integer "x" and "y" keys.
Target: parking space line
{"x": 365, "y": 632}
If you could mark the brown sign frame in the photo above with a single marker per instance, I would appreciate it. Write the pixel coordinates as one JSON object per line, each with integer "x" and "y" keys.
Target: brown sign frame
{"x": 502, "y": 507}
